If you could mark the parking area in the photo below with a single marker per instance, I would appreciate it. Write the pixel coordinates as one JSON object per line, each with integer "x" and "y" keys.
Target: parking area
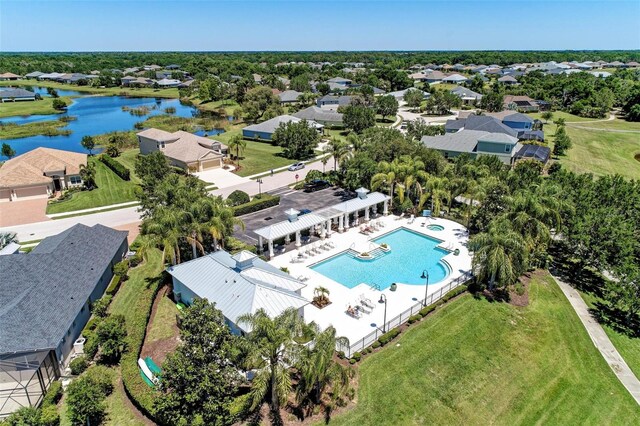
{"x": 289, "y": 199}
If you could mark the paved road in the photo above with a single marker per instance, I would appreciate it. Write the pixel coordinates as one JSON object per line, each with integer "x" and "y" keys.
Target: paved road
{"x": 601, "y": 341}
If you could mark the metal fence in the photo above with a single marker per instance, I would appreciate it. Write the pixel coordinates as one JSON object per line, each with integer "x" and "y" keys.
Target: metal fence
{"x": 398, "y": 320}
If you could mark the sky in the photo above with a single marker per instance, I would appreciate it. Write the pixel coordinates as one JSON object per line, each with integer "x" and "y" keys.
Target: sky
{"x": 161, "y": 25}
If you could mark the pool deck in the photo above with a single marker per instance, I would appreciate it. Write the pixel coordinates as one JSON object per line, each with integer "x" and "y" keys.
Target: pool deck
{"x": 454, "y": 236}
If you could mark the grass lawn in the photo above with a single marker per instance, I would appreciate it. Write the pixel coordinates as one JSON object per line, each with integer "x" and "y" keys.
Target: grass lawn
{"x": 164, "y": 322}
{"x": 111, "y": 190}
{"x": 229, "y": 105}
{"x": 41, "y": 107}
{"x": 569, "y": 118}
{"x": 128, "y": 159}
{"x": 616, "y": 124}
{"x": 110, "y": 91}
{"x": 476, "y": 362}
{"x": 48, "y": 128}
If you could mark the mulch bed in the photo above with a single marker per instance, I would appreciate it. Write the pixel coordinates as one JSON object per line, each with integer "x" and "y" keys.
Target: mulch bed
{"x": 159, "y": 349}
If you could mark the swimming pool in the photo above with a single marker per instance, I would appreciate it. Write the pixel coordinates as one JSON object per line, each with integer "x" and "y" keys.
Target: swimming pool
{"x": 410, "y": 254}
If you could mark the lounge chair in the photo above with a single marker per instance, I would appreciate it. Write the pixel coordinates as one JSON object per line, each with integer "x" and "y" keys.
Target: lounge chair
{"x": 353, "y": 312}
{"x": 362, "y": 308}
{"x": 411, "y": 219}
{"x": 366, "y": 302}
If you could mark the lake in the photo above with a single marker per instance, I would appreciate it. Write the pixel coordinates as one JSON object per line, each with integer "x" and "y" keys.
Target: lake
{"x": 95, "y": 115}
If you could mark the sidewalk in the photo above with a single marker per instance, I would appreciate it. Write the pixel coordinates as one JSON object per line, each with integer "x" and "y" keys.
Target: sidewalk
{"x": 601, "y": 341}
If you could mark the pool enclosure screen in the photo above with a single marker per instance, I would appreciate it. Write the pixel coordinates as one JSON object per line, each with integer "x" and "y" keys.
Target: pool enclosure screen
{"x": 25, "y": 378}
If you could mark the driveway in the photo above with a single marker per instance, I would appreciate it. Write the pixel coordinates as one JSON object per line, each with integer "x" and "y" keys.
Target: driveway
{"x": 221, "y": 178}
{"x": 413, "y": 116}
{"x": 22, "y": 212}
{"x": 288, "y": 199}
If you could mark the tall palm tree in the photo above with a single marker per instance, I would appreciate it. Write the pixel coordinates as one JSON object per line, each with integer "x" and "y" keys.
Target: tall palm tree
{"x": 238, "y": 144}
{"x": 318, "y": 371}
{"x": 272, "y": 350}
{"x": 339, "y": 149}
{"x": 499, "y": 254}
{"x": 437, "y": 189}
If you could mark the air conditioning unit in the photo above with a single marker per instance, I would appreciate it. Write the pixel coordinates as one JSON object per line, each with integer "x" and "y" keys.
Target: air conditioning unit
{"x": 78, "y": 345}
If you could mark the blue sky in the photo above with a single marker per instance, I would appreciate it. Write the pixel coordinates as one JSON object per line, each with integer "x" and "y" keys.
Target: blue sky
{"x": 106, "y": 25}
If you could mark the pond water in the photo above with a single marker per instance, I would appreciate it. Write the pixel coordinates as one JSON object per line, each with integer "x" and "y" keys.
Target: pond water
{"x": 95, "y": 115}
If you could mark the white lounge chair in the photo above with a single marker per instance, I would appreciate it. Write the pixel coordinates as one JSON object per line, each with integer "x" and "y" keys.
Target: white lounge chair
{"x": 364, "y": 300}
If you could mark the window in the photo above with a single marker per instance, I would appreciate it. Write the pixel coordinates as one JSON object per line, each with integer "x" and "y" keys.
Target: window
{"x": 507, "y": 148}
{"x": 75, "y": 180}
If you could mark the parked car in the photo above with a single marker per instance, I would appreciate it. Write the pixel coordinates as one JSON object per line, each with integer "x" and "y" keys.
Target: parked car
{"x": 316, "y": 185}
{"x": 304, "y": 211}
{"x": 296, "y": 166}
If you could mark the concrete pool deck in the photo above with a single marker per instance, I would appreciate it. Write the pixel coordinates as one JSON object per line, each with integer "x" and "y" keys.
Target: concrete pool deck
{"x": 454, "y": 236}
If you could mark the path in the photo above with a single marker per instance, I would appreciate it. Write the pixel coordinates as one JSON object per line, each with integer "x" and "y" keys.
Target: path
{"x": 610, "y": 118}
{"x": 601, "y": 341}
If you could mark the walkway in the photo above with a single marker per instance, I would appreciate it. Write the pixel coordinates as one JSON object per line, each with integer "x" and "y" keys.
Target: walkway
{"x": 601, "y": 341}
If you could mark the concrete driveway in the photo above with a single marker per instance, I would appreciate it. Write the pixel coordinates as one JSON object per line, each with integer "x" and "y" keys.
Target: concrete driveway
{"x": 221, "y": 178}
{"x": 22, "y": 212}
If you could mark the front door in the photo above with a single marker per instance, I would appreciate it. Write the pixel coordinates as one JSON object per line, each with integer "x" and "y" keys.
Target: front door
{"x": 56, "y": 183}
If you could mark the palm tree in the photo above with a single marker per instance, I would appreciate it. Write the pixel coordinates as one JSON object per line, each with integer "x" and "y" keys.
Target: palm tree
{"x": 338, "y": 149}
{"x": 88, "y": 175}
{"x": 499, "y": 254}
{"x": 437, "y": 189}
{"x": 238, "y": 144}
{"x": 318, "y": 371}
{"x": 324, "y": 161}
{"x": 271, "y": 350}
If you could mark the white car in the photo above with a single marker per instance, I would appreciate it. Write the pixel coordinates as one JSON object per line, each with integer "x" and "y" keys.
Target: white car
{"x": 296, "y": 166}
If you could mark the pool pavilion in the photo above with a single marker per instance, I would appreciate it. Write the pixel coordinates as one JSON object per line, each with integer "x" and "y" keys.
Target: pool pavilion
{"x": 341, "y": 216}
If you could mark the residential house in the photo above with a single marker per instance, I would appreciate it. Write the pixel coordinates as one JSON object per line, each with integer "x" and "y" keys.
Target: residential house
{"x": 468, "y": 96}
{"x": 534, "y": 152}
{"x": 508, "y": 80}
{"x": 152, "y": 67}
{"x": 39, "y": 173}
{"x": 166, "y": 83}
{"x": 239, "y": 285}
{"x": 455, "y": 79}
{"x": 9, "y": 76}
{"x": 46, "y": 298}
{"x": 520, "y": 103}
{"x": 264, "y": 131}
{"x": 507, "y": 122}
{"x": 172, "y": 67}
{"x": 333, "y": 101}
{"x": 399, "y": 94}
{"x": 289, "y": 97}
{"x": 137, "y": 82}
{"x": 183, "y": 149}
{"x": 51, "y": 76}
{"x": 434, "y": 77}
{"x": 34, "y": 74}
{"x": 17, "y": 94}
{"x": 257, "y": 78}
{"x": 321, "y": 116}
{"x": 475, "y": 143}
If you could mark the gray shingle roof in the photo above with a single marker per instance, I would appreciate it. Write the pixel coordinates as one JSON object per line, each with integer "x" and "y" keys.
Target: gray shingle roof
{"x": 289, "y": 96}
{"x": 271, "y": 125}
{"x": 15, "y": 93}
{"x": 463, "y": 141}
{"x": 488, "y": 124}
{"x": 518, "y": 117}
{"x": 42, "y": 292}
{"x": 318, "y": 114}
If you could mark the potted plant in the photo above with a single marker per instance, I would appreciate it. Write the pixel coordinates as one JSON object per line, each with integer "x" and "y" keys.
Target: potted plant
{"x": 393, "y": 287}
{"x": 320, "y": 298}
{"x": 385, "y": 247}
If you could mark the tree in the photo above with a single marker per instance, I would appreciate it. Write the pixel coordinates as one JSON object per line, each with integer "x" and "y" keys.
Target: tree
{"x": 416, "y": 129}
{"x": 499, "y": 254}
{"x": 7, "y": 238}
{"x": 562, "y": 142}
{"x": 387, "y": 106}
{"x": 111, "y": 333}
{"x": 58, "y": 104}
{"x": 358, "y": 118}
{"x": 88, "y": 175}
{"x": 300, "y": 83}
{"x": 198, "y": 379}
{"x": 323, "y": 88}
{"x": 86, "y": 395}
{"x": 271, "y": 350}
{"x": 338, "y": 149}
{"x": 260, "y": 102}
{"x": 413, "y": 98}
{"x": 492, "y": 101}
{"x": 52, "y": 92}
{"x": 441, "y": 102}
{"x": 238, "y": 144}
{"x": 546, "y": 116}
{"x": 298, "y": 140}
{"x": 238, "y": 197}
{"x": 7, "y": 151}
{"x": 88, "y": 143}
{"x": 152, "y": 168}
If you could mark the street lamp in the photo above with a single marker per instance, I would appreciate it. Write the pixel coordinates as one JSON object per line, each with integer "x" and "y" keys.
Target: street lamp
{"x": 383, "y": 299}
{"x": 425, "y": 276}
{"x": 259, "y": 180}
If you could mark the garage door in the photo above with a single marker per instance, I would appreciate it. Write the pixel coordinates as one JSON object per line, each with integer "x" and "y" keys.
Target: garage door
{"x": 211, "y": 164}
{"x": 5, "y": 195}
{"x": 32, "y": 192}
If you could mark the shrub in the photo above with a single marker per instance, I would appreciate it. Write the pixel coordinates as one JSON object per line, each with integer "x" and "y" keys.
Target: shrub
{"x": 91, "y": 345}
{"x": 49, "y": 416}
{"x": 352, "y": 361}
{"x": 414, "y": 318}
{"x": 111, "y": 333}
{"x": 102, "y": 377}
{"x": 453, "y": 293}
{"x": 121, "y": 268}
{"x": 256, "y": 204}
{"x": 54, "y": 394}
{"x": 238, "y": 197}
{"x": 100, "y": 306}
{"x": 375, "y": 345}
{"x": 78, "y": 365}
{"x": 91, "y": 324}
{"x": 135, "y": 260}
{"x": 86, "y": 394}
{"x": 114, "y": 285}
{"x": 519, "y": 289}
{"x": 117, "y": 167}
{"x": 341, "y": 354}
{"x": 426, "y": 310}
{"x": 357, "y": 356}
{"x": 24, "y": 416}
{"x": 389, "y": 336}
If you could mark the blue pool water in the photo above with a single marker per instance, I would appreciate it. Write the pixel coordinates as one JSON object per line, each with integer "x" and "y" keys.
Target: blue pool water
{"x": 410, "y": 254}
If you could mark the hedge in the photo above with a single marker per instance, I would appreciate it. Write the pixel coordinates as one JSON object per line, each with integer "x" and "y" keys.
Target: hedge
{"x": 114, "y": 285}
{"x": 414, "y": 318}
{"x": 117, "y": 167}
{"x": 264, "y": 202}
{"x": 389, "y": 336}
{"x": 54, "y": 394}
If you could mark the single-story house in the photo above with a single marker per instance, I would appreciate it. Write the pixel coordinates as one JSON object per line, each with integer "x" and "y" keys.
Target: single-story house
{"x": 321, "y": 116}
{"x": 508, "y": 80}
{"x": 534, "y": 152}
{"x": 520, "y": 103}
{"x": 34, "y": 74}
{"x": 484, "y": 123}
{"x": 172, "y": 67}
{"x": 289, "y": 96}
{"x": 475, "y": 143}
{"x": 39, "y": 173}
{"x": 46, "y": 298}
{"x": 455, "y": 79}
{"x": 183, "y": 149}
{"x": 341, "y": 81}
{"x": 333, "y": 100}
{"x": 137, "y": 81}
{"x": 399, "y": 94}
{"x": 152, "y": 67}
{"x": 9, "y": 76}
{"x": 468, "y": 96}
{"x": 166, "y": 82}
{"x": 257, "y": 78}
{"x": 17, "y": 94}
{"x": 434, "y": 77}
{"x": 418, "y": 76}
{"x": 239, "y": 285}
{"x": 51, "y": 76}
{"x": 264, "y": 131}
{"x": 163, "y": 74}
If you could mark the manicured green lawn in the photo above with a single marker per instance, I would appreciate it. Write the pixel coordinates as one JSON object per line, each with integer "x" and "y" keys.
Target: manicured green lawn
{"x": 569, "y": 118}
{"x": 111, "y": 91}
{"x": 229, "y": 105}
{"x": 41, "y": 107}
{"x": 111, "y": 190}
{"x": 616, "y": 124}
{"x": 164, "y": 321}
{"x": 476, "y": 362}
{"x": 128, "y": 159}
{"x": 258, "y": 157}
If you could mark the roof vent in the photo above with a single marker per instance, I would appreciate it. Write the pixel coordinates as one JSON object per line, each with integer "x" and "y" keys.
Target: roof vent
{"x": 244, "y": 260}
{"x": 292, "y": 215}
{"x": 362, "y": 193}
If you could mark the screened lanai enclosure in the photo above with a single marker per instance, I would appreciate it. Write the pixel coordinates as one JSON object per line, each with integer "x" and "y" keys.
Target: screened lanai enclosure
{"x": 25, "y": 378}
